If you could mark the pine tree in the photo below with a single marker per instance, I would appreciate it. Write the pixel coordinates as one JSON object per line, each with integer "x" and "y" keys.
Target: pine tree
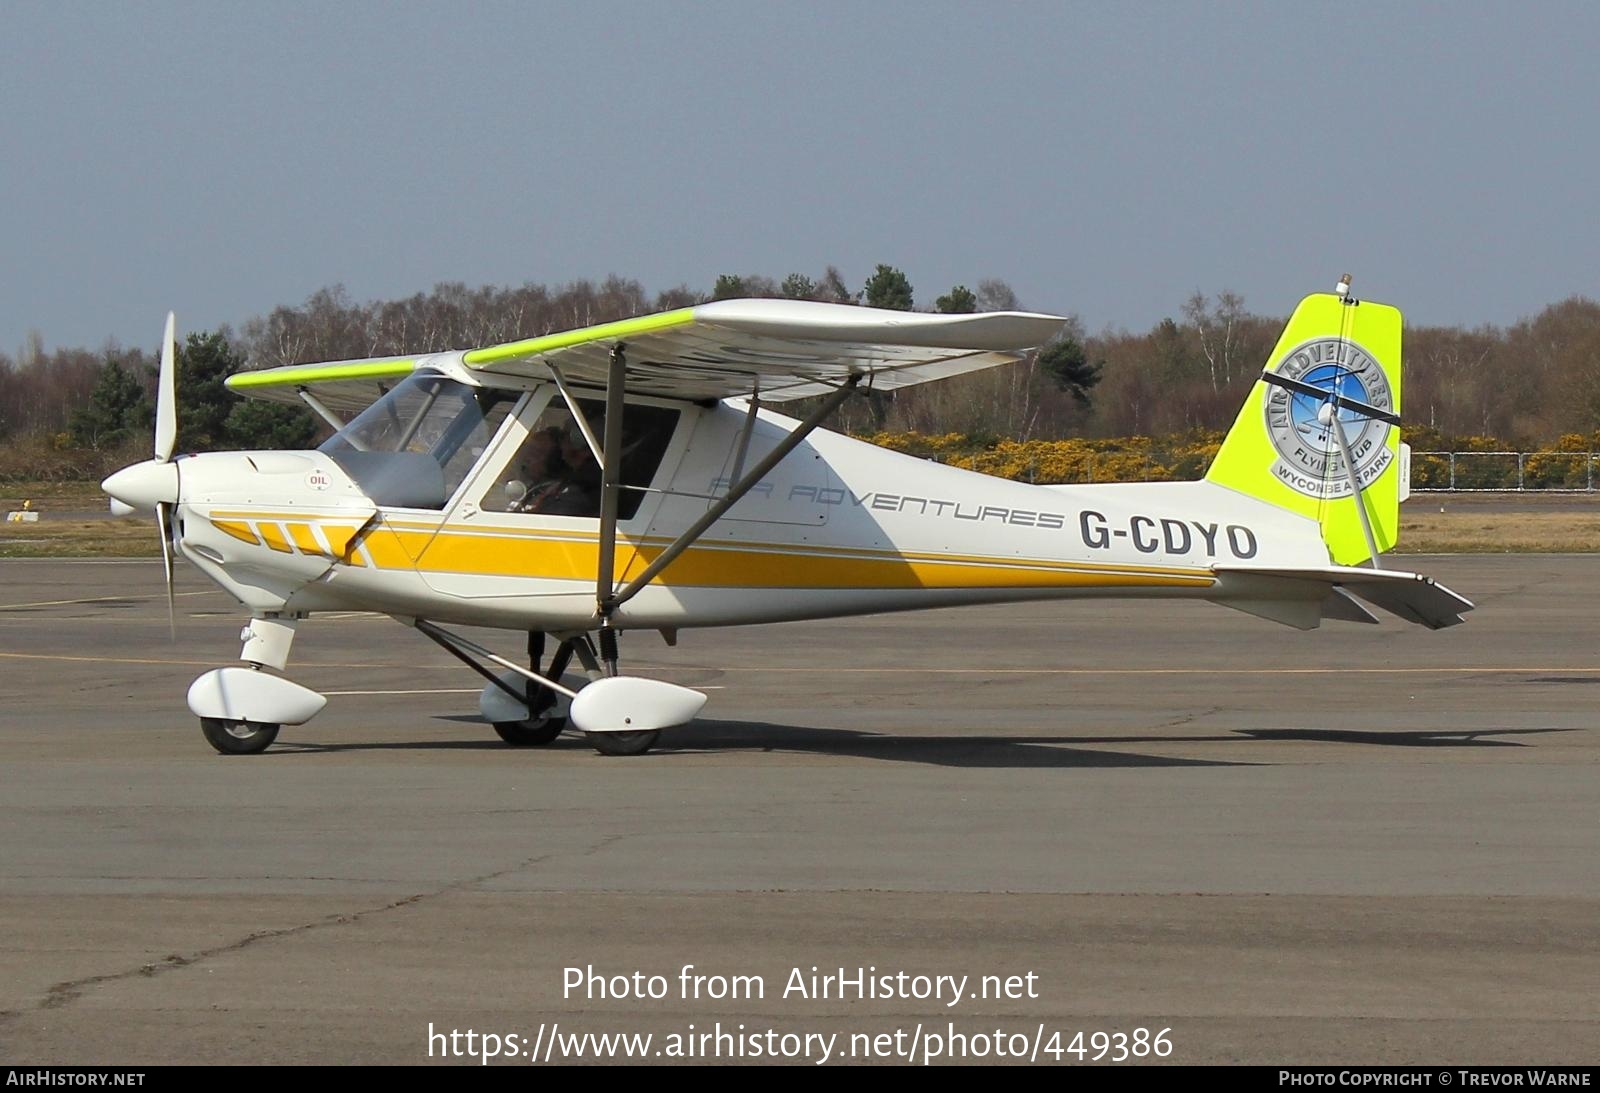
{"x": 119, "y": 410}
{"x": 888, "y": 288}
{"x": 1068, "y": 367}
{"x": 959, "y": 301}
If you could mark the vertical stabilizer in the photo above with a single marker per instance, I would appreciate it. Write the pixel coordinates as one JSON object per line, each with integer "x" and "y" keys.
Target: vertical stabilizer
{"x": 1337, "y": 356}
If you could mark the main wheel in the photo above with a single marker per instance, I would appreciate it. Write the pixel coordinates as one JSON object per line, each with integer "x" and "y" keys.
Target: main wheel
{"x": 238, "y": 737}
{"x": 623, "y": 743}
{"x": 532, "y": 733}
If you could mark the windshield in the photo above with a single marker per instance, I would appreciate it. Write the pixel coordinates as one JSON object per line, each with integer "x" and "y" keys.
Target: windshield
{"x": 413, "y": 447}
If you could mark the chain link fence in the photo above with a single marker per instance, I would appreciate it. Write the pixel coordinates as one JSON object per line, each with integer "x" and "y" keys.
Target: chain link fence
{"x": 1138, "y": 460}
{"x": 1483, "y": 472}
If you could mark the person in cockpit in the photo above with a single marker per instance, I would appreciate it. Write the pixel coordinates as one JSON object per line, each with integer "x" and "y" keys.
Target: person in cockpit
{"x": 541, "y": 472}
{"x": 579, "y": 493}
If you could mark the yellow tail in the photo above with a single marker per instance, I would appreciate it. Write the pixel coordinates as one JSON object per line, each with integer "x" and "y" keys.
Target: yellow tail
{"x": 1284, "y": 449}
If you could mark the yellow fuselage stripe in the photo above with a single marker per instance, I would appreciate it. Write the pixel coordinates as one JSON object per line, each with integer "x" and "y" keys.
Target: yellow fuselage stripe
{"x": 555, "y": 555}
{"x": 304, "y": 538}
{"x": 272, "y": 535}
{"x": 417, "y": 535}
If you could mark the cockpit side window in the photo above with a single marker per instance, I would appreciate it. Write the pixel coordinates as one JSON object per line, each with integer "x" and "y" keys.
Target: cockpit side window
{"x": 414, "y": 446}
{"x": 555, "y": 474}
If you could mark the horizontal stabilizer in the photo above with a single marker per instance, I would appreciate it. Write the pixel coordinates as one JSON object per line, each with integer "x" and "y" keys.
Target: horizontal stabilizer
{"x": 1339, "y": 604}
{"x": 1412, "y": 596}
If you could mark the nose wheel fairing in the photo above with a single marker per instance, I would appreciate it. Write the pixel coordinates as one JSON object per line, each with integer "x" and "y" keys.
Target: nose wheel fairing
{"x": 249, "y": 694}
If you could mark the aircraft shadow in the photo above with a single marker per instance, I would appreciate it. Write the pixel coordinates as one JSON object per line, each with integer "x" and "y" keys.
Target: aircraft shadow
{"x": 1036, "y": 751}
{"x": 1436, "y": 738}
{"x": 705, "y": 737}
{"x": 998, "y": 751}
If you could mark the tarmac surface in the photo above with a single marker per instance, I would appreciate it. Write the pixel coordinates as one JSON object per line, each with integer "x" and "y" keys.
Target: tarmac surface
{"x": 1364, "y": 844}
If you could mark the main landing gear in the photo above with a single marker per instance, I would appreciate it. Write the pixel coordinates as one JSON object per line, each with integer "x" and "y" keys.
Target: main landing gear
{"x": 538, "y": 714}
{"x": 618, "y": 715}
{"x": 541, "y": 723}
{"x": 618, "y": 743}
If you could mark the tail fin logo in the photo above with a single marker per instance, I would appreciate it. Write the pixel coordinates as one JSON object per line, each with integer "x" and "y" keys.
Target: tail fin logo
{"x": 1309, "y": 461}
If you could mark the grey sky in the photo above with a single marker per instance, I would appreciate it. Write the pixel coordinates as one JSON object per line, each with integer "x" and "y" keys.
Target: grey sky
{"x": 220, "y": 159}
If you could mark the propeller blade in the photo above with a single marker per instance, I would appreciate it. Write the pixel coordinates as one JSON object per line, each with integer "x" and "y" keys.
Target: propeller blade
{"x": 164, "y": 526}
{"x": 166, "y": 398}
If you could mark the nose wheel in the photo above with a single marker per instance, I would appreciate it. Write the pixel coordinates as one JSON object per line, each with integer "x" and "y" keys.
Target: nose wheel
{"x": 238, "y": 737}
{"x": 241, "y": 709}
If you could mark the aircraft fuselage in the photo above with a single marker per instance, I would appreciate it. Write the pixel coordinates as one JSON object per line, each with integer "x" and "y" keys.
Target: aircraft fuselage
{"x": 838, "y": 527}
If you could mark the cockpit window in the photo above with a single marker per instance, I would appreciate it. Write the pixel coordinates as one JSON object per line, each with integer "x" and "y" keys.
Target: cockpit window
{"x": 555, "y": 474}
{"x": 415, "y": 445}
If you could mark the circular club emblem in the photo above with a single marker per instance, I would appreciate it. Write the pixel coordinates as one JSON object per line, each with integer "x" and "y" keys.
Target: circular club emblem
{"x": 1308, "y": 449}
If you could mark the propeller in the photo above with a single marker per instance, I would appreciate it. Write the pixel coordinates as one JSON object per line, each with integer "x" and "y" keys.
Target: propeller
{"x": 166, "y": 396}
{"x": 164, "y": 526}
{"x": 166, "y": 438}
{"x": 152, "y": 485}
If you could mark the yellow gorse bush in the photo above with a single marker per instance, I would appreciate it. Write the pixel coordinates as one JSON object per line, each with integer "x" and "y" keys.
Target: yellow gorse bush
{"x": 1187, "y": 456}
{"x": 1122, "y": 459}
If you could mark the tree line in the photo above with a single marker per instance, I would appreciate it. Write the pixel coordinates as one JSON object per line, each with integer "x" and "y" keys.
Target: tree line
{"x": 1525, "y": 385}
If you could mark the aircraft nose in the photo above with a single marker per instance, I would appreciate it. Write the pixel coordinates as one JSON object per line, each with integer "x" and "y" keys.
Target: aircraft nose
{"x": 145, "y": 485}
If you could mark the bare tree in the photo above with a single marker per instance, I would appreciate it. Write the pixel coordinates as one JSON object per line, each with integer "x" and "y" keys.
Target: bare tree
{"x": 1216, "y": 328}
{"x": 996, "y": 295}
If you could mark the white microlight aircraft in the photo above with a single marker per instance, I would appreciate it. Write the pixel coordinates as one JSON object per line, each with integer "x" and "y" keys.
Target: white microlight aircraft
{"x": 630, "y": 476}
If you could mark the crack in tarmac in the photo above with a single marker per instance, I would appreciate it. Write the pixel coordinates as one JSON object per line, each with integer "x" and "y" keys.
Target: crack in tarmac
{"x": 65, "y": 993}
{"x": 1189, "y": 719}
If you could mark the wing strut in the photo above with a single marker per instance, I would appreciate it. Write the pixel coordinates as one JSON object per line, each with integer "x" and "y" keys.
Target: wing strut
{"x": 335, "y": 422}
{"x": 744, "y": 434}
{"x": 610, "y": 489}
{"x": 577, "y": 414}
{"x": 737, "y": 491}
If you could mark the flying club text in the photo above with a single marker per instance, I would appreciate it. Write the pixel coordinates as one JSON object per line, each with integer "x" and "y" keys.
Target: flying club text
{"x": 1146, "y": 534}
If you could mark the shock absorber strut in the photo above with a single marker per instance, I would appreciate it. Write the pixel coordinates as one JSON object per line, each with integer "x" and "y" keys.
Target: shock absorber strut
{"x": 608, "y": 647}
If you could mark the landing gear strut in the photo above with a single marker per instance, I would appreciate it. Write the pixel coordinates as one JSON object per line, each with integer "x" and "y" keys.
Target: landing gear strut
{"x": 241, "y": 709}
{"x": 618, "y": 743}
{"x": 542, "y": 725}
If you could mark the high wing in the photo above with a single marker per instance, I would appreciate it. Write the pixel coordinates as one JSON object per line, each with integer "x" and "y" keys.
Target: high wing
{"x": 350, "y": 386}
{"x": 785, "y": 349}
